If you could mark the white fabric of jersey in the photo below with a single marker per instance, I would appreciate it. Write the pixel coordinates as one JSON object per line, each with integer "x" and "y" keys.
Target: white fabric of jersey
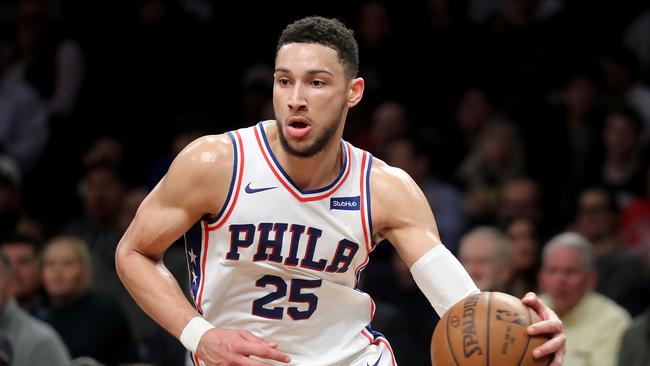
{"x": 283, "y": 263}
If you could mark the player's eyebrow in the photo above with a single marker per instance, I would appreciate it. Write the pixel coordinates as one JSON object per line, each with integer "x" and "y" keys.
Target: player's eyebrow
{"x": 311, "y": 72}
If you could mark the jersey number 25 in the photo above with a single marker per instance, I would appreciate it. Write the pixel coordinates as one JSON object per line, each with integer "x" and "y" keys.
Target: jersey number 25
{"x": 295, "y": 296}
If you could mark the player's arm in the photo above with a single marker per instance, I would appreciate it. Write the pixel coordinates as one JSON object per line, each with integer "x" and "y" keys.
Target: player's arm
{"x": 402, "y": 215}
{"x": 196, "y": 184}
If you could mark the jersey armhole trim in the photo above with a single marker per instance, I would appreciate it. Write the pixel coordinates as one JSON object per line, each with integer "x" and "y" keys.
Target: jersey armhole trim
{"x": 364, "y": 212}
{"x": 368, "y": 206}
{"x": 235, "y": 183}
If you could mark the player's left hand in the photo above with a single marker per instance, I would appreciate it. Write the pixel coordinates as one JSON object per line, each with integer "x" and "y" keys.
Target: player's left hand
{"x": 551, "y": 325}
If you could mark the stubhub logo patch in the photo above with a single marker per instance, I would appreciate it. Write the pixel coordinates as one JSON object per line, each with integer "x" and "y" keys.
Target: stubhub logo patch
{"x": 345, "y": 203}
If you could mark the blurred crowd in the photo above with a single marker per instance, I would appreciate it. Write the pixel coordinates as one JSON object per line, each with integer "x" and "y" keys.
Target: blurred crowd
{"x": 526, "y": 124}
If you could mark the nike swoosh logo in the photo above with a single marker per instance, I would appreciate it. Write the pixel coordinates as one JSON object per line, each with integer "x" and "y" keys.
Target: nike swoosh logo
{"x": 249, "y": 190}
{"x": 376, "y": 363}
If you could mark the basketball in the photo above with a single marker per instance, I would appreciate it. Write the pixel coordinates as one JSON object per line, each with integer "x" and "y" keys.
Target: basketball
{"x": 487, "y": 329}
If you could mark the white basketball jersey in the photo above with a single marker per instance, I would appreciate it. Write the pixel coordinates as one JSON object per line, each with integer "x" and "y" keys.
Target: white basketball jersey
{"x": 283, "y": 263}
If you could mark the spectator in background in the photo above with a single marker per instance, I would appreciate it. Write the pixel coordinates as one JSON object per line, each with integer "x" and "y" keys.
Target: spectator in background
{"x": 6, "y": 352}
{"x": 620, "y": 272}
{"x": 445, "y": 200}
{"x": 389, "y": 121}
{"x": 520, "y": 198}
{"x": 257, "y": 89}
{"x": 33, "y": 342}
{"x": 49, "y": 60}
{"x": 23, "y": 116}
{"x": 525, "y": 256}
{"x": 572, "y": 123}
{"x": 497, "y": 156}
{"x": 31, "y": 226}
{"x": 102, "y": 190}
{"x": 105, "y": 149}
{"x": 637, "y": 39}
{"x": 475, "y": 110}
{"x": 620, "y": 69}
{"x": 593, "y": 324}
{"x": 132, "y": 200}
{"x": 486, "y": 254}
{"x": 91, "y": 324}
{"x": 635, "y": 223}
{"x": 10, "y": 196}
{"x": 163, "y": 83}
{"x": 580, "y": 114}
{"x": 635, "y": 347}
{"x": 23, "y": 253}
{"x": 621, "y": 170}
{"x": 448, "y": 67}
{"x": 377, "y": 48}
{"x": 53, "y": 63}
{"x": 518, "y": 55}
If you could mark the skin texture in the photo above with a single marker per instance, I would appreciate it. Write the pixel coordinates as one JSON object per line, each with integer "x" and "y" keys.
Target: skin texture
{"x": 310, "y": 87}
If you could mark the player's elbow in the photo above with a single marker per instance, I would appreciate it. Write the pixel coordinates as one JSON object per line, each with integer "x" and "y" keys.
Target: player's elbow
{"x": 121, "y": 258}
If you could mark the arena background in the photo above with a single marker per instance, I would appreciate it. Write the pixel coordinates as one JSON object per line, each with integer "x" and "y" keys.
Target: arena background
{"x": 467, "y": 96}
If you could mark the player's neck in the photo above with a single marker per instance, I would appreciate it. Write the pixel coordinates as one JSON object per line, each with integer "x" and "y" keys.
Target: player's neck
{"x": 314, "y": 172}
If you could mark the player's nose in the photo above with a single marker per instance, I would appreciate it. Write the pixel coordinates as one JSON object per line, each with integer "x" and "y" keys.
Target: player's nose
{"x": 297, "y": 99}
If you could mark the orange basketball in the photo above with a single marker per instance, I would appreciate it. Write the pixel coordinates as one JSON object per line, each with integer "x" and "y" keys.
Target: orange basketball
{"x": 487, "y": 329}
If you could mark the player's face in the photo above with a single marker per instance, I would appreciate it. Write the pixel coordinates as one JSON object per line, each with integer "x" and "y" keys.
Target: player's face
{"x": 311, "y": 97}
{"x": 564, "y": 278}
{"x": 63, "y": 271}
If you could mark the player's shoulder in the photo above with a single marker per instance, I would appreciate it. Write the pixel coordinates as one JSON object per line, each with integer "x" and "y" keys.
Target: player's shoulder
{"x": 387, "y": 178}
{"x": 393, "y": 193}
{"x": 211, "y": 144}
{"x": 208, "y": 158}
{"x": 208, "y": 149}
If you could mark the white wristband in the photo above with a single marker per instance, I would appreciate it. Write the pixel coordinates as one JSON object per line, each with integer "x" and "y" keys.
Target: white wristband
{"x": 442, "y": 279}
{"x": 193, "y": 331}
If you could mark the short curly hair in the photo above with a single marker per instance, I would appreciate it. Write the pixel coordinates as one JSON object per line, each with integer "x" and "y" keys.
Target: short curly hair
{"x": 331, "y": 33}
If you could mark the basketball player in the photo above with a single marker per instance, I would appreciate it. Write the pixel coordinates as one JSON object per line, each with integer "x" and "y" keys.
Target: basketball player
{"x": 279, "y": 219}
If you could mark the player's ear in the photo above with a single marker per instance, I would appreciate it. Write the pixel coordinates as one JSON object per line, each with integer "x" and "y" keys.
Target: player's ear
{"x": 355, "y": 91}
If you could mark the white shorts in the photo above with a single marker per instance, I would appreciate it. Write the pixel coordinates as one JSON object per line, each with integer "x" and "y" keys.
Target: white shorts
{"x": 378, "y": 353}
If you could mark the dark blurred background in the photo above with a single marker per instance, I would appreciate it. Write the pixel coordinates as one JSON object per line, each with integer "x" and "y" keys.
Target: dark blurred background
{"x": 531, "y": 117}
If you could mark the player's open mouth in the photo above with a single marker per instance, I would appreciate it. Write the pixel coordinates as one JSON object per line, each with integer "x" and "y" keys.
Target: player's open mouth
{"x": 298, "y": 127}
{"x": 298, "y": 124}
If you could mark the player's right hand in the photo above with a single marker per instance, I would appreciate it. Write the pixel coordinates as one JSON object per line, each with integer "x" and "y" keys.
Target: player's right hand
{"x": 221, "y": 347}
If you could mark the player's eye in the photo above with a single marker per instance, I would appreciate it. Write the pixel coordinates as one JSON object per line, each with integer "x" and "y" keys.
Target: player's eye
{"x": 318, "y": 83}
{"x": 283, "y": 82}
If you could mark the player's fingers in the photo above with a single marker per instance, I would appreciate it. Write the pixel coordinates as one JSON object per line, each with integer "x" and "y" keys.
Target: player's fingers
{"x": 550, "y": 326}
{"x": 557, "y": 359}
{"x": 262, "y": 351}
{"x": 533, "y": 301}
{"x": 255, "y": 339}
{"x": 553, "y": 345}
{"x": 544, "y": 312}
